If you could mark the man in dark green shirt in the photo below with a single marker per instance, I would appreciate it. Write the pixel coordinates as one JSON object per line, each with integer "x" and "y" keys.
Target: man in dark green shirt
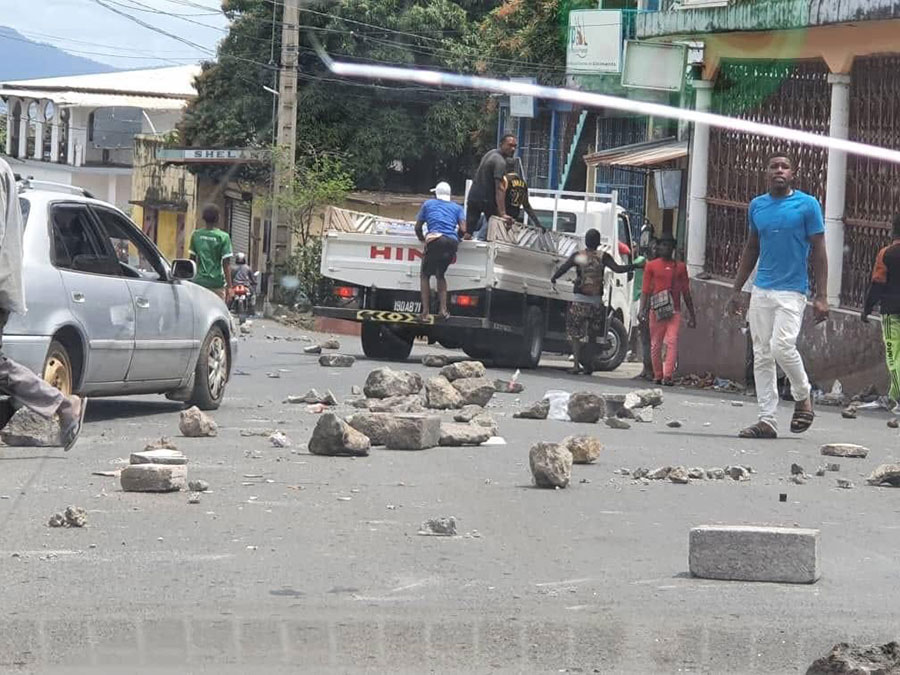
{"x": 211, "y": 250}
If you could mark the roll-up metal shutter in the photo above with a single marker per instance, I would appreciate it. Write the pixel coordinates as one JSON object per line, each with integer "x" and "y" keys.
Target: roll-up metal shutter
{"x": 239, "y": 226}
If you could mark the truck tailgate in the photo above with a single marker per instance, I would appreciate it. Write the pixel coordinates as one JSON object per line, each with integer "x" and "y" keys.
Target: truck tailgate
{"x": 393, "y": 261}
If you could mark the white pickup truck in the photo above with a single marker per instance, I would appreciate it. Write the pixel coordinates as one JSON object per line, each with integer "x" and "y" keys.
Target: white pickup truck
{"x": 502, "y": 304}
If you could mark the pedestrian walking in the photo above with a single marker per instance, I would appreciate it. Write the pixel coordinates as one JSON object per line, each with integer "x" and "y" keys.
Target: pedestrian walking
{"x": 587, "y": 314}
{"x": 486, "y": 195}
{"x": 445, "y": 221}
{"x": 16, "y": 380}
{"x": 211, "y": 249}
{"x": 884, "y": 291}
{"x": 786, "y": 226}
{"x": 665, "y": 286}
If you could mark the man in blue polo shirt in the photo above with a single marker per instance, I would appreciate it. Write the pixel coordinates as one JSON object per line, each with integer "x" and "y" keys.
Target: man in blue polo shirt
{"x": 785, "y": 226}
{"x": 445, "y": 220}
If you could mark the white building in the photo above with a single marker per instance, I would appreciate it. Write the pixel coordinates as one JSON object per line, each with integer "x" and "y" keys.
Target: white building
{"x": 80, "y": 130}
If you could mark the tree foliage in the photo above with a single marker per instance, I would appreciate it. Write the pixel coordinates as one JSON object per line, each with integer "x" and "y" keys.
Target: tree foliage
{"x": 388, "y": 135}
{"x": 318, "y": 179}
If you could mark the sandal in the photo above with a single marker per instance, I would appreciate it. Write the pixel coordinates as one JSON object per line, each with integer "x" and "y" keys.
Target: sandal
{"x": 71, "y": 433}
{"x": 802, "y": 420}
{"x": 759, "y": 430}
{"x": 443, "y": 316}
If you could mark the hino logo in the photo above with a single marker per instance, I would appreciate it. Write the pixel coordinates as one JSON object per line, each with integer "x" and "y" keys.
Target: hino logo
{"x": 395, "y": 253}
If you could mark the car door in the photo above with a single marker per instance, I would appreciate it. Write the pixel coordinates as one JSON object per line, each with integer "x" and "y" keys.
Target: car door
{"x": 164, "y": 327}
{"x": 96, "y": 294}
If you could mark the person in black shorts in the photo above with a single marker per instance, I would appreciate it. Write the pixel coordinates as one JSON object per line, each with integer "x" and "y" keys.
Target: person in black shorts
{"x": 444, "y": 219}
{"x": 486, "y": 196}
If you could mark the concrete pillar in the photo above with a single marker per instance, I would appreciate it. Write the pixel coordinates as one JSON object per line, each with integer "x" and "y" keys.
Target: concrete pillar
{"x": 54, "y": 136}
{"x": 111, "y": 188}
{"x": 836, "y": 185}
{"x": 11, "y": 106}
{"x": 697, "y": 209}
{"x": 38, "y": 139}
{"x": 22, "y": 152}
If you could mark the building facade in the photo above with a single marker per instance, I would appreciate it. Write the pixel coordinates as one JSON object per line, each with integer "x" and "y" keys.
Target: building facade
{"x": 821, "y": 66}
{"x": 80, "y": 130}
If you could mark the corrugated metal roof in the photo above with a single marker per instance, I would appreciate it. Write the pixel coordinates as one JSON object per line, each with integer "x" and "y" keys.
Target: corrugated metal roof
{"x": 640, "y": 154}
{"x": 175, "y": 82}
{"x": 79, "y": 99}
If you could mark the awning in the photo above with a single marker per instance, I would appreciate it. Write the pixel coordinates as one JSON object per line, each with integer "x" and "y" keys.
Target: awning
{"x": 91, "y": 100}
{"x": 651, "y": 153}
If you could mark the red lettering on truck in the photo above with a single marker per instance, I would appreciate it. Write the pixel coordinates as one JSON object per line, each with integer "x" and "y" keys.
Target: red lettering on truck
{"x": 413, "y": 254}
{"x": 380, "y": 252}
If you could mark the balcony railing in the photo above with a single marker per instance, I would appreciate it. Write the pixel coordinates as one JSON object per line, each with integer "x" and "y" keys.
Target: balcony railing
{"x": 677, "y": 18}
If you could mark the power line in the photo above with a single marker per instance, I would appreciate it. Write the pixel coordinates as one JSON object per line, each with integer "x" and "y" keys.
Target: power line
{"x": 92, "y": 53}
{"x": 153, "y": 10}
{"x": 155, "y": 29}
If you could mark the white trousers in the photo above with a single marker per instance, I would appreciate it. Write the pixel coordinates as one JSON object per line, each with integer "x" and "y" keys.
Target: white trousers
{"x": 775, "y": 318}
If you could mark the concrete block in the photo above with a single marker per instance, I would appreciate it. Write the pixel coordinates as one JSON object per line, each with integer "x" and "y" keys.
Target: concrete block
{"x": 154, "y": 478}
{"x": 748, "y": 553}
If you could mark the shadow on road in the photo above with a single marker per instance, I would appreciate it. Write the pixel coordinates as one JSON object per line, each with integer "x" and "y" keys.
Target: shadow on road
{"x": 106, "y": 409}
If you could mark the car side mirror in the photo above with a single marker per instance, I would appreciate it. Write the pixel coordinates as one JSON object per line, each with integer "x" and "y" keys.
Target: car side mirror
{"x": 184, "y": 269}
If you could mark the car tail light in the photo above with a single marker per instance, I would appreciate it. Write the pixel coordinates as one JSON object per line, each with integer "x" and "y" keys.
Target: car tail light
{"x": 345, "y": 291}
{"x": 464, "y": 300}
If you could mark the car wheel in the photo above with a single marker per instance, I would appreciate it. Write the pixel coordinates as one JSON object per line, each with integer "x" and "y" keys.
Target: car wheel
{"x": 211, "y": 375}
{"x": 58, "y": 368}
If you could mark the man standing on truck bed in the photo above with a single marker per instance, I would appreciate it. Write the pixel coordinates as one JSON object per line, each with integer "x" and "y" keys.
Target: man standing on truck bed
{"x": 515, "y": 199}
{"x": 486, "y": 196}
{"x": 445, "y": 220}
{"x": 587, "y": 314}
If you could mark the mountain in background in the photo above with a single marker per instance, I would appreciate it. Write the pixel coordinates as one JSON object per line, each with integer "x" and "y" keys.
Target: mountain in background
{"x": 24, "y": 59}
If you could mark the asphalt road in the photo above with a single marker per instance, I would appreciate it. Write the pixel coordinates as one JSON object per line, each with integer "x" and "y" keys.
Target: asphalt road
{"x": 301, "y": 563}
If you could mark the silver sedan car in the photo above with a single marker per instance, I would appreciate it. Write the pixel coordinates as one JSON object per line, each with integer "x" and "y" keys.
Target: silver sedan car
{"x": 107, "y": 313}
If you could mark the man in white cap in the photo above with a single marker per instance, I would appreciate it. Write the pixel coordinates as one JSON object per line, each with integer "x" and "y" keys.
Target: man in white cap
{"x": 445, "y": 221}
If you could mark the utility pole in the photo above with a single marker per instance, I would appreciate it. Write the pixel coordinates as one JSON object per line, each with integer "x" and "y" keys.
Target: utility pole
{"x": 287, "y": 119}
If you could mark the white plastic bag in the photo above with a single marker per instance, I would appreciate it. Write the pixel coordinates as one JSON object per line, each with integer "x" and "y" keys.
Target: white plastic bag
{"x": 559, "y": 405}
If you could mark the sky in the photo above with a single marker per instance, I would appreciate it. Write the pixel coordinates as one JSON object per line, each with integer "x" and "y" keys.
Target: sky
{"x": 85, "y": 28}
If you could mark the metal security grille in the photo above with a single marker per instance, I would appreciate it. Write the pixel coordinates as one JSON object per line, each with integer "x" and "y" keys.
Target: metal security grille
{"x": 873, "y": 187}
{"x": 614, "y": 132}
{"x": 785, "y": 93}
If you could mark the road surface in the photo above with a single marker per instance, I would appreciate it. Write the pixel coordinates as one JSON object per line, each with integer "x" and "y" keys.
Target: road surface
{"x": 297, "y": 563}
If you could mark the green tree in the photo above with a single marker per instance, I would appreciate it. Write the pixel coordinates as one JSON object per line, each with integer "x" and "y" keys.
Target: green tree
{"x": 390, "y": 135}
{"x": 318, "y": 180}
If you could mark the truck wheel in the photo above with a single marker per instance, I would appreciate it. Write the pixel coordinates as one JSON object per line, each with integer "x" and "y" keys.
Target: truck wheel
{"x": 380, "y": 342}
{"x": 612, "y": 357}
{"x": 526, "y": 353}
{"x": 476, "y": 352}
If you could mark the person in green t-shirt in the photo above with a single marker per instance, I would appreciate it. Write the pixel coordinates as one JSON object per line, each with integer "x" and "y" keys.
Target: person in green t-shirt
{"x": 211, "y": 250}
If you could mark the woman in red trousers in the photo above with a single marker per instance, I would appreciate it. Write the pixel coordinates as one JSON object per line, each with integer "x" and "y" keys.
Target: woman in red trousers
{"x": 666, "y": 283}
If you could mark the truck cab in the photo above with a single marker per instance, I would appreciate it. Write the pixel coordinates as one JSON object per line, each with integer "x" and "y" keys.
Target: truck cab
{"x": 577, "y": 212}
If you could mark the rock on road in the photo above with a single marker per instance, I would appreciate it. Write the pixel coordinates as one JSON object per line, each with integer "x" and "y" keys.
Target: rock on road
{"x": 297, "y": 562}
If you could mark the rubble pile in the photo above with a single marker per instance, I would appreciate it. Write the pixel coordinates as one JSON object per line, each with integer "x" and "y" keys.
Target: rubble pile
{"x": 73, "y": 516}
{"x": 155, "y": 470}
{"x": 849, "y": 658}
{"x": 683, "y": 475}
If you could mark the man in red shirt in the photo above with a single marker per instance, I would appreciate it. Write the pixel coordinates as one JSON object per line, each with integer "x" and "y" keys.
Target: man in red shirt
{"x": 665, "y": 284}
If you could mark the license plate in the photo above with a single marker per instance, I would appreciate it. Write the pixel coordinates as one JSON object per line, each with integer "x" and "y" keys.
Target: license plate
{"x": 407, "y": 306}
